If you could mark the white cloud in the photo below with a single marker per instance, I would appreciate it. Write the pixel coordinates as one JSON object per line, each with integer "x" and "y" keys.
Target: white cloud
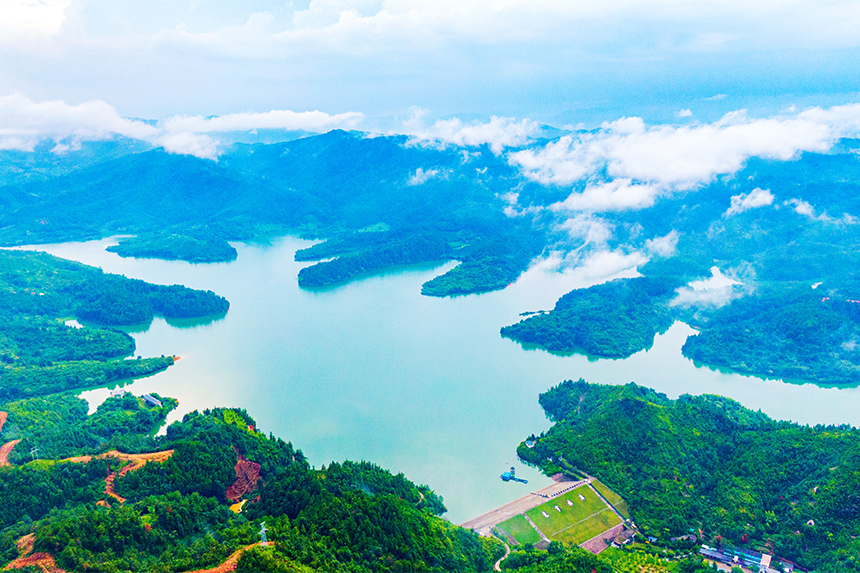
{"x": 745, "y": 201}
{"x": 805, "y": 209}
{"x": 275, "y": 119}
{"x": 498, "y": 133}
{"x": 24, "y": 123}
{"x": 186, "y": 143}
{"x": 629, "y": 164}
{"x": 606, "y": 265}
{"x": 684, "y": 113}
{"x": 716, "y": 291}
{"x": 590, "y": 230}
{"x": 31, "y": 19}
{"x": 615, "y": 195}
{"x": 596, "y": 267}
{"x": 665, "y": 246}
{"x": 421, "y": 176}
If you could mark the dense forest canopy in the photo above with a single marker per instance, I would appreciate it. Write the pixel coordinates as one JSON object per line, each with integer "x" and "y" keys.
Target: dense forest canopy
{"x": 385, "y": 201}
{"x": 428, "y": 202}
{"x": 707, "y": 464}
{"x": 41, "y": 355}
{"x": 788, "y": 304}
{"x": 104, "y": 492}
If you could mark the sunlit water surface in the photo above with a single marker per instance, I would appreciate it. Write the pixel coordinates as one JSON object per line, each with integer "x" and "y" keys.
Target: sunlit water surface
{"x": 372, "y": 370}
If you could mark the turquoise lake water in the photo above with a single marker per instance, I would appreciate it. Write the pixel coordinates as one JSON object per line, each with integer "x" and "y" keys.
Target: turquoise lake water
{"x": 373, "y": 370}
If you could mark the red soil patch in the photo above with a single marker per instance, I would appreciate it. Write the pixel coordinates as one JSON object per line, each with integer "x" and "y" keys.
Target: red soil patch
{"x": 5, "y": 450}
{"x": 109, "y": 487}
{"x": 247, "y": 476}
{"x": 27, "y": 558}
{"x": 230, "y": 563}
{"x": 3, "y": 416}
{"x": 137, "y": 462}
{"x": 25, "y": 544}
{"x": 44, "y": 561}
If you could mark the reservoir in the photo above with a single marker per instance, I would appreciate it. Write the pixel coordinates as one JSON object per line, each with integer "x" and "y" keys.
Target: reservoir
{"x": 372, "y": 370}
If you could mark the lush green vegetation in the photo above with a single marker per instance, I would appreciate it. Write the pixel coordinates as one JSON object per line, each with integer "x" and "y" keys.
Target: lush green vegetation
{"x": 389, "y": 249}
{"x": 486, "y": 268}
{"x": 430, "y": 204}
{"x": 40, "y": 355}
{"x": 641, "y": 558}
{"x": 557, "y": 559}
{"x": 809, "y": 337}
{"x": 37, "y": 284}
{"x": 612, "y": 320}
{"x": 346, "y": 517}
{"x": 706, "y": 463}
{"x": 58, "y": 425}
{"x": 35, "y": 341}
{"x": 21, "y": 382}
{"x": 197, "y": 248}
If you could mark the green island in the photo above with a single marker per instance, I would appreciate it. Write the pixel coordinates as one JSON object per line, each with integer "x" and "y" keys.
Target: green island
{"x": 612, "y": 320}
{"x": 377, "y": 202}
{"x": 706, "y": 466}
{"x": 196, "y": 248}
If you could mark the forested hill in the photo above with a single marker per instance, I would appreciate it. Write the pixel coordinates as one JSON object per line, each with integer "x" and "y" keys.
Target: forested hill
{"x": 102, "y": 492}
{"x": 789, "y": 308}
{"x": 705, "y": 463}
{"x": 786, "y": 233}
{"x": 40, "y": 355}
{"x": 38, "y": 284}
{"x": 173, "y": 513}
{"x": 381, "y": 200}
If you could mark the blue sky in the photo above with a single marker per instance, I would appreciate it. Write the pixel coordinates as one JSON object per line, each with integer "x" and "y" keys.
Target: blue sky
{"x": 557, "y": 62}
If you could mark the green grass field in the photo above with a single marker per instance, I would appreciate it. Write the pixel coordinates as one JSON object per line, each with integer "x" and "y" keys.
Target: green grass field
{"x": 587, "y": 529}
{"x": 613, "y": 498}
{"x": 629, "y": 562}
{"x": 568, "y": 515}
{"x": 520, "y": 529}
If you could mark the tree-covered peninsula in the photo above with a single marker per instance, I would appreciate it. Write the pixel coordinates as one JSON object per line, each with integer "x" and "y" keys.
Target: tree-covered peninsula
{"x": 379, "y": 202}
{"x": 42, "y": 355}
{"x": 708, "y": 465}
{"x": 103, "y": 492}
{"x": 788, "y": 304}
{"x": 612, "y": 320}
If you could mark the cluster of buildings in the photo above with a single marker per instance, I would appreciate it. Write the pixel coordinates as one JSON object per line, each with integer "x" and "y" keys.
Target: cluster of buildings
{"x": 748, "y": 559}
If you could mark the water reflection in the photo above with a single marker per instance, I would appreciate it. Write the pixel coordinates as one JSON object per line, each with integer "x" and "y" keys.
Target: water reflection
{"x": 373, "y": 370}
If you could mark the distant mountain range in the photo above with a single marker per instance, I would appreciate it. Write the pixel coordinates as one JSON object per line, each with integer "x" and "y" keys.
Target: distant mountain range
{"x": 782, "y": 234}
